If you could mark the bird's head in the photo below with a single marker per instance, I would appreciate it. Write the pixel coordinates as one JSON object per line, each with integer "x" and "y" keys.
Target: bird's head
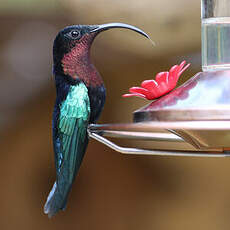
{"x": 72, "y": 45}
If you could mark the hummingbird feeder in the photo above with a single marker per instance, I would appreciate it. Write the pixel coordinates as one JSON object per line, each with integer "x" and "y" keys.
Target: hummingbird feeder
{"x": 194, "y": 119}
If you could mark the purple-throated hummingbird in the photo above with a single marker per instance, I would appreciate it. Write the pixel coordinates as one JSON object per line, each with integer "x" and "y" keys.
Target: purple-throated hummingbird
{"x": 80, "y": 99}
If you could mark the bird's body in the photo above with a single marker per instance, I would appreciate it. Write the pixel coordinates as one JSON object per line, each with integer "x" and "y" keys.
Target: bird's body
{"x": 80, "y": 99}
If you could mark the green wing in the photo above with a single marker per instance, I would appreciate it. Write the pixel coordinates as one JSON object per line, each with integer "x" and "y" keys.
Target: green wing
{"x": 70, "y": 144}
{"x": 72, "y": 129}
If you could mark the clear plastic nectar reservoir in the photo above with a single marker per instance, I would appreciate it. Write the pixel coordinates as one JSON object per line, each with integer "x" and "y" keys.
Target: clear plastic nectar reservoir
{"x": 215, "y": 16}
{"x": 216, "y": 43}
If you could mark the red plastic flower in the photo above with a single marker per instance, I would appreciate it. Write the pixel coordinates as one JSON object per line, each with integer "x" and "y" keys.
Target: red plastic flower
{"x": 164, "y": 83}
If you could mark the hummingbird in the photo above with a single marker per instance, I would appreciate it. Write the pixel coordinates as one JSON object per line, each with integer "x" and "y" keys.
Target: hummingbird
{"x": 80, "y": 97}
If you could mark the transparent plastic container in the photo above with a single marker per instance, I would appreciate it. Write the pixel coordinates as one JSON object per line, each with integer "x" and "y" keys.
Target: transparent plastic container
{"x": 215, "y": 16}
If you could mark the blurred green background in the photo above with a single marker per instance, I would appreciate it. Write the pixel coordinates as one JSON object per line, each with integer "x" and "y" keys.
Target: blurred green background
{"x": 111, "y": 191}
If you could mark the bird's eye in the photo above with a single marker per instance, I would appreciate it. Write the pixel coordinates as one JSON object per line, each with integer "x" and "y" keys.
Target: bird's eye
{"x": 75, "y": 34}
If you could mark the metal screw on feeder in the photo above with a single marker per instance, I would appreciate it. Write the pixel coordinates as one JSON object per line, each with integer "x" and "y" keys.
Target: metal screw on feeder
{"x": 194, "y": 119}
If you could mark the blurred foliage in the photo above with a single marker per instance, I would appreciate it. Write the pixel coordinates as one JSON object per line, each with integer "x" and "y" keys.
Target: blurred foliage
{"x": 28, "y": 6}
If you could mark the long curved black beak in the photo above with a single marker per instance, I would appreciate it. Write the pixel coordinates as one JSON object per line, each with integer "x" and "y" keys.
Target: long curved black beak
{"x": 108, "y": 26}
